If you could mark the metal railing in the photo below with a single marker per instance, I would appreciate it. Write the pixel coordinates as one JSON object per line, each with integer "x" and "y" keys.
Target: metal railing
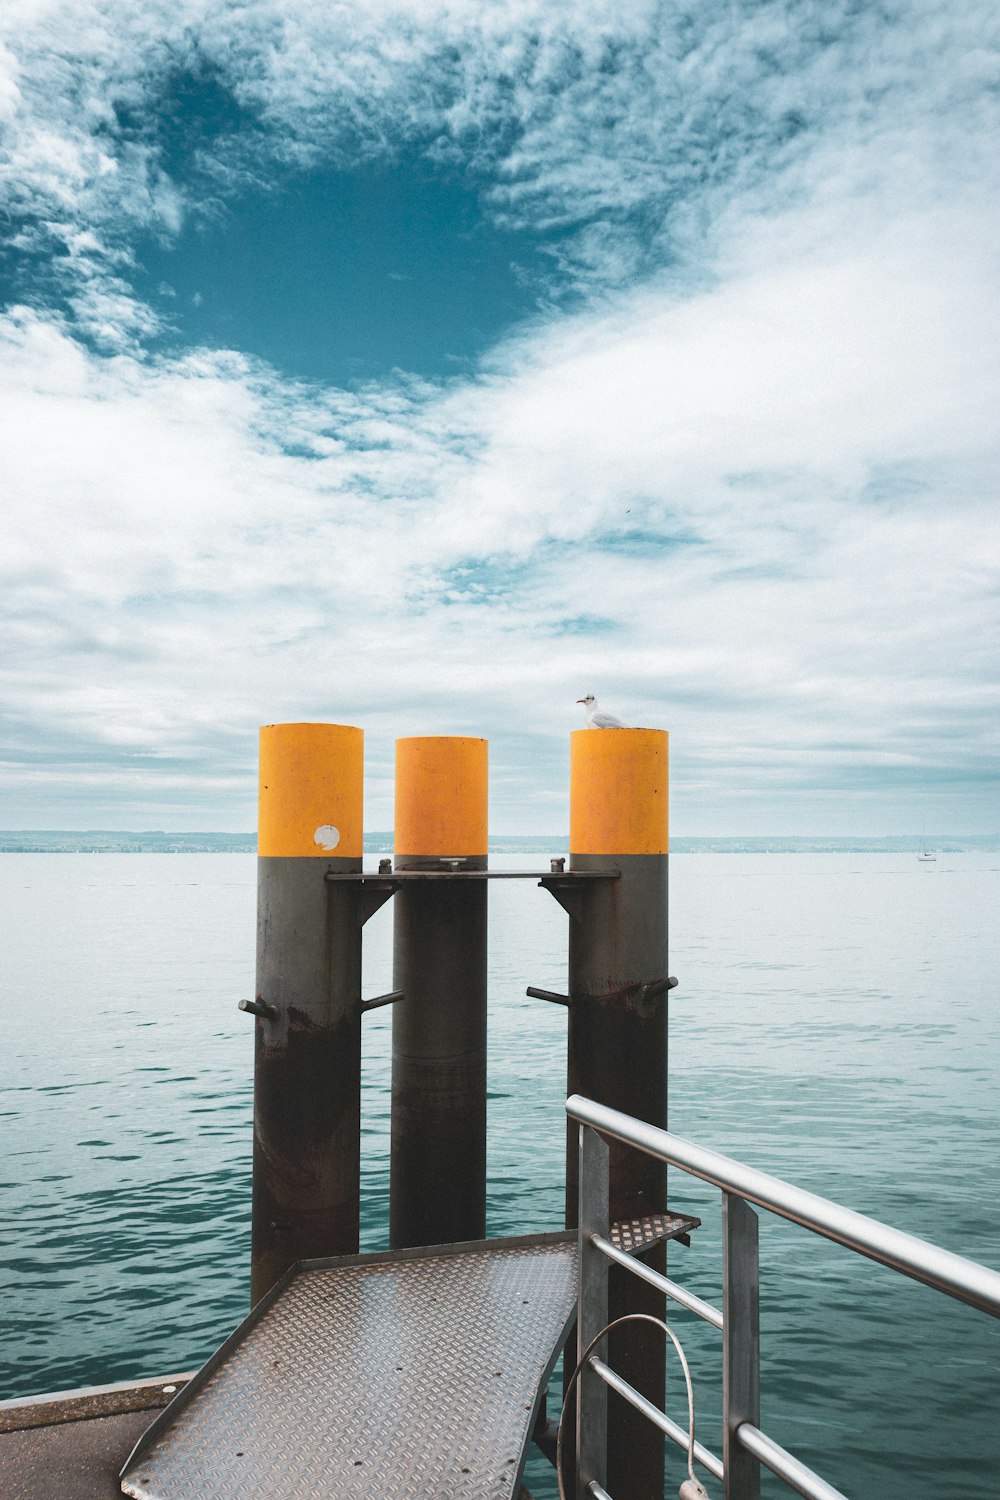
{"x": 745, "y": 1446}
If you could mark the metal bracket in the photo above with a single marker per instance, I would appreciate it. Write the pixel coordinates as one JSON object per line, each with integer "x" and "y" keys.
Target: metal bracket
{"x": 373, "y": 891}
{"x": 657, "y": 987}
{"x": 556, "y": 999}
{"x": 642, "y": 997}
{"x": 647, "y": 992}
{"x": 570, "y": 891}
{"x": 259, "y": 1008}
{"x": 372, "y": 896}
{"x": 644, "y": 994}
{"x": 378, "y": 1001}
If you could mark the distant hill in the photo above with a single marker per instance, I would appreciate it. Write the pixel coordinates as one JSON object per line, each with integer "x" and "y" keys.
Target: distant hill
{"x": 941, "y": 843}
{"x": 105, "y": 841}
{"x": 110, "y": 841}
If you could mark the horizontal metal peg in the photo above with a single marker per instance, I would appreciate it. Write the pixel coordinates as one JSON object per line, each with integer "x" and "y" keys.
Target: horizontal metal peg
{"x": 259, "y": 1008}
{"x": 548, "y": 995}
{"x": 658, "y": 987}
{"x": 389, "y": 998}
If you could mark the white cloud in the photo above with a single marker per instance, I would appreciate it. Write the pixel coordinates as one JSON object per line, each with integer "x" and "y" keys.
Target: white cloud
{"x": 752, "y": 499}
{"x": 644, "y": 128}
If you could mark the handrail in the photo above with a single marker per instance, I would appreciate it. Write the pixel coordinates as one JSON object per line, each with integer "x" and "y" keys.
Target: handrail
{"x": 957, "y": 1277}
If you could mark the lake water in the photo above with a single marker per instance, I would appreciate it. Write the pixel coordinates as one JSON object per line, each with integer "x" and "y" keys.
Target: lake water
{"x": 836, "y": 1023}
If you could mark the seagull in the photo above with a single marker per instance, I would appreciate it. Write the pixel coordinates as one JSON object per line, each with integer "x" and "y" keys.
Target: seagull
{"x": 595, "y": 718}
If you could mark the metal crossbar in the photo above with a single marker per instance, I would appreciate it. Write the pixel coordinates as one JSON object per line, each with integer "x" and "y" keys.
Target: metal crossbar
{"x": 745, "y": 1446}
{"x": 659, "y": 1418}
{"x": 662, "y": 1283}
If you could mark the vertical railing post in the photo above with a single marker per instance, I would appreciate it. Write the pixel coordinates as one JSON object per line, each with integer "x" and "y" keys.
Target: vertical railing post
{"x": 592, "y": 1313}
{"x": 740, "y": 1344}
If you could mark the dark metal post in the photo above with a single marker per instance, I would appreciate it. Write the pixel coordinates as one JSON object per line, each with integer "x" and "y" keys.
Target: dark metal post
{"x": 617, "y": 1051}
{"x": 307, "y": 1066}
{"x": 437, "y": 1191}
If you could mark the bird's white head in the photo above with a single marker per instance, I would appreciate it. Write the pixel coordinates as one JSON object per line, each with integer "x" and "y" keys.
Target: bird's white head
{"x": 587, "y": 701}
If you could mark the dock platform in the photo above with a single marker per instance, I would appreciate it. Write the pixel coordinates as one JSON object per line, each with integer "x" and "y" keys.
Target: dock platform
{"x": 71, "y": 1445}
{"x": 411, "y": 1373}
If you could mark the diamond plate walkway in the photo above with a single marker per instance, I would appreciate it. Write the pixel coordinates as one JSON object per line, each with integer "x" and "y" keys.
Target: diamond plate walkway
{"x": 417, "y": 1373}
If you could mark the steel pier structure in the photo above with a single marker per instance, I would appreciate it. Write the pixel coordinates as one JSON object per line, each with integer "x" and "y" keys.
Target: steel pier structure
{"x": 437, "y": 1188}
{"x": 314, "y": 897}
{"x": 307, "y": 1063}
{"x": 314, "y": 900}
{"x": 617, "y": 1037}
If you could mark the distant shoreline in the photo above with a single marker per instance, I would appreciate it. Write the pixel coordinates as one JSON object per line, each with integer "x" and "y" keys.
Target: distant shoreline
{"x": 105, "y": 841}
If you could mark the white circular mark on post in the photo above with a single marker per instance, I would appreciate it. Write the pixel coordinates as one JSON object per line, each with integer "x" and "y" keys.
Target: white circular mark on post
{"x": 326, "y": 836}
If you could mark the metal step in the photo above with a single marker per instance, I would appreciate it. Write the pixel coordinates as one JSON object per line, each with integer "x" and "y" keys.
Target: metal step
{"x": 635, "y": 1235}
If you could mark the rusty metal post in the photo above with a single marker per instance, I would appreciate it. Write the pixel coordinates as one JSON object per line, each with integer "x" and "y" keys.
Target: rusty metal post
{"x": 307, "y": 1067}
{"x": 437, "y": 1189}
{"x": 617, "y": 1046}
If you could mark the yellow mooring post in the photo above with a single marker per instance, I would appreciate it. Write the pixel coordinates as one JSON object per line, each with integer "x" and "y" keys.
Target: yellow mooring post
{"x": 307, "y": 1066}
{"x": 437, "y": 1191}
{"x": 617, "y": 1038}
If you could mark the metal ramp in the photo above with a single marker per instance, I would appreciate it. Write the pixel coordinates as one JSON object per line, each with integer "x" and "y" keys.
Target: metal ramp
{"x": 410, "y": 1375}
{"x": 417, "y": 1373}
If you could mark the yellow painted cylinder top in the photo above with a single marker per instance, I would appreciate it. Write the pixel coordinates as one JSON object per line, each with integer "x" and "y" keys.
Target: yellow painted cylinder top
{"x": 311, "y": 791}
{"x": 442, "y": 796}
{"x": 618, "y": 791}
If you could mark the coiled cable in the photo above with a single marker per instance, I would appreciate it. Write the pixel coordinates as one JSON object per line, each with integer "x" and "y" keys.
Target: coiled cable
{"x": 692, "y": 1488}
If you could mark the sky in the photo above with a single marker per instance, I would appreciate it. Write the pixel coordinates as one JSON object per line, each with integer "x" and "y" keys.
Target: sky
{"x": 426, "y": 366}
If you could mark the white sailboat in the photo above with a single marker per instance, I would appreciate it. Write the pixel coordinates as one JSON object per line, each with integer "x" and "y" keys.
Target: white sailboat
{"x": 927, "y": 856}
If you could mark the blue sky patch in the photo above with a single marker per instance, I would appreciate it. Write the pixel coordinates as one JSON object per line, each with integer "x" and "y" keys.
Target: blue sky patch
{"x": 893, "y": 487}
{"x": 583, "y": 625}
{"x": 345, "y": 276}
{"x": 483, "y": 580}
{"x": 643, "y": 541}
{"x": 196, "y": 114}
